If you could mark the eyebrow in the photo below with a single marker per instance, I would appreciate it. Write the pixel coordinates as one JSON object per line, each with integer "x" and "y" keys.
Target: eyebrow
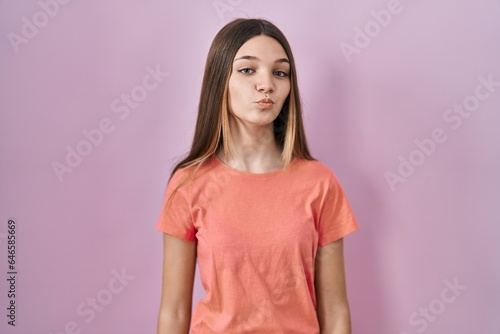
{"x": 281, "y": 60}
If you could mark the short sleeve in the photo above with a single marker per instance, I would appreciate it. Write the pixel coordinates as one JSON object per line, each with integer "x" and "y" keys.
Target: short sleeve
{"x": 176, "y": 219}
{"x": 336, "y": 218}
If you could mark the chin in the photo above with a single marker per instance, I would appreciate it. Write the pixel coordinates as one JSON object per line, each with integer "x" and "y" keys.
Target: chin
{"x": 264, "y": 122}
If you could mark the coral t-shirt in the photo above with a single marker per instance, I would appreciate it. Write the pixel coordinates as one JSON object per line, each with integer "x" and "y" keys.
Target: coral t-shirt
{"x": 257, "y": 237}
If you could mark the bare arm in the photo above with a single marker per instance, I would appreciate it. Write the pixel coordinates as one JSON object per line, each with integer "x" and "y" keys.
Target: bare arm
{"x": 179, "y": 263}
{"x": 333, "y": 308}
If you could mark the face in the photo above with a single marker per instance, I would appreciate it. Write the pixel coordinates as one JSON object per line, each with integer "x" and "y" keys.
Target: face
{"x": 259, "y": 83}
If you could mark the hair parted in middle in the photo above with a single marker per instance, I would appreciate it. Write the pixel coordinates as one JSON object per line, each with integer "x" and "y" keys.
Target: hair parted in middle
{"x": 212, "y": 126}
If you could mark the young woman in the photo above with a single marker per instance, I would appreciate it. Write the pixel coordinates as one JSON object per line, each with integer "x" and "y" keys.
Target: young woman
{"x": 263, "y": 218}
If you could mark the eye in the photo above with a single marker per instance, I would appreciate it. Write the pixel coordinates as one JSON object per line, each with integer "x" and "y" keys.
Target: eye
{"x": 280, "y": 74}
{"x": 246, "y": 70}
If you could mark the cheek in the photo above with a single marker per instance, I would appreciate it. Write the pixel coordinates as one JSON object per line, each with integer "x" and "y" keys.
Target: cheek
{"x": 232, "y": 92}
{"x": 233, "y": 86}
{"x": 284, "y": 92}
{"x": 235, "y": 95}
{"x": 286, "y": 89}
{"x": 238, "y": 90}
{"x": 282, "y": 88}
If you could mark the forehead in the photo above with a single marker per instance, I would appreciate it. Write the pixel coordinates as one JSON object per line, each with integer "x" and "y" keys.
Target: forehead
{"x": 263, "y": 47}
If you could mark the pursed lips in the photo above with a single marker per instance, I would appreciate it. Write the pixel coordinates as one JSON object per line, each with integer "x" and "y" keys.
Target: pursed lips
{"x": 265, "y": 103}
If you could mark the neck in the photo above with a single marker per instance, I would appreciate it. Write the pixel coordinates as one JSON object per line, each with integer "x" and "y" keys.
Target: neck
{"x": 254, "y": 149}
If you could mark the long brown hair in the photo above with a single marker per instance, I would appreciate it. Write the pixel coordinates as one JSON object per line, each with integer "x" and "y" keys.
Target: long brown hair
{"x": 212, "y": 126}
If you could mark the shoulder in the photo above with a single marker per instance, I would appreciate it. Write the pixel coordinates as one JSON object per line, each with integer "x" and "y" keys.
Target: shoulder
{"x": 315, "y": 174}
{"x": 179, "y": 175}
{"x": 315, "y": 169}
{"x": 193, "y": 173}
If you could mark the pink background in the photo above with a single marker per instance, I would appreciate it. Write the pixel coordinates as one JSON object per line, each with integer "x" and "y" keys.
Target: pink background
{"x": 361, "y": 114}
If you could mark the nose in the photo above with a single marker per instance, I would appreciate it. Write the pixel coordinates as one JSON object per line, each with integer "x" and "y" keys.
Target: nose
{"x": 265, "y": 84}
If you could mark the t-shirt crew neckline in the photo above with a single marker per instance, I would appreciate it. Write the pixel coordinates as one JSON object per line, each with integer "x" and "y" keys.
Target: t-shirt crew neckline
{"x": 235, "y": 171}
